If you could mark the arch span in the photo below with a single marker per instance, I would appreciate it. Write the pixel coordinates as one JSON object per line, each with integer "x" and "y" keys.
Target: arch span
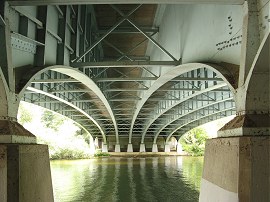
{"x": 209, "y": 115}
{"x": 78, "y": 75}
{"x": 223, "y": 73}
{"x": 190, "y": 112}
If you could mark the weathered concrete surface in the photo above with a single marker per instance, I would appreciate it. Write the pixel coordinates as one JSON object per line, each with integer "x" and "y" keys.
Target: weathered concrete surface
{"x": 13, "y": 132}
{"x": 25, "y": 173}
{"x": 236, "y": 169}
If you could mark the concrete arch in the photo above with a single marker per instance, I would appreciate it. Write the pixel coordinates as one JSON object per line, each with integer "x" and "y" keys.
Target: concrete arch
{"x": 195, "y": 110}
{"x": 171, "y": 74}
{"x": 78, "y": 75}
{"x": 177, "y": 103}
{"x": 209, "y": 115}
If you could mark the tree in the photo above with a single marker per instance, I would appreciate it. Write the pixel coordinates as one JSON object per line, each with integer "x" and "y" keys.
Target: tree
{"x": 24, "y": 115}
{"x": 193, "y": 142}
{"x": 52, "y": 120}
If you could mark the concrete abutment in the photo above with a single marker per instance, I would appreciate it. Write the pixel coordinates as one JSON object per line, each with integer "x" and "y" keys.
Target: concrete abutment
{"x": 236, "y": 169}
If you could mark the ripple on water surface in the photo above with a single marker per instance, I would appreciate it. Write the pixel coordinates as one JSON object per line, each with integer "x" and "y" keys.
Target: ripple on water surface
{"x": 164, "y": 179}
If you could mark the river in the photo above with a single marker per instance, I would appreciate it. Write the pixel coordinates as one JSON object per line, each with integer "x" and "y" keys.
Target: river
{"x": 164, "y": 179}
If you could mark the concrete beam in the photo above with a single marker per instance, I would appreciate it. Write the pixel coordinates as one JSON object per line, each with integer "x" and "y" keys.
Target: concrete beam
{"x": 71, "y": 2}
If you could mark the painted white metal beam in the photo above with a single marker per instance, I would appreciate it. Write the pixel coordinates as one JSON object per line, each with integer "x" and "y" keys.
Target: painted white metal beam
{"x": 186, "y": 114}
{"x": 209, "y": 115}
{"x": 156, "y": 116}
{"x": 166, "y": 77}
{"x": 125, "y": 64}
{"x": 72, "y": 2}
{"x": 71, "y": 105}
{"x": 84, "y": 79}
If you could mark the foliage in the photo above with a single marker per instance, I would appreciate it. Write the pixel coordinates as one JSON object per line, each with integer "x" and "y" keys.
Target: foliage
{"x": 59, "y": 133}
{"x": 68, "y": 153}
{"x": 82, "y": 133}
{"x": 24, "y": 116}
{"x": 52, "y": 120}
{"x": 193, "y": 142}
{"x": 100, "y": 154}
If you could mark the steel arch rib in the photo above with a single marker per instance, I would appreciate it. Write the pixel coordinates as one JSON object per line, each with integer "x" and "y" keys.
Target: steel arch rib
{"x": 201, "y": 122}
{"x": 71, "y": 105}
{"x": 190, "y": 112}
{"x": 176, "y": 129}
{"x": 169, "y": 75}
{"x": 78, "y": 75}
{"x": 177, "y": 103}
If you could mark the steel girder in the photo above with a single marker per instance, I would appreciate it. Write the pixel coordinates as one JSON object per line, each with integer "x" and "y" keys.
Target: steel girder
{"x": 186, "y": 126}
{"x": 163, "y": 106}
{"x": 74, "y": 99}
{"x": 67, "y": 33}
{"x": 189, "y": 113}
{"x": 71, "y": 2}
{"x": 167, "y": 77}
{"x": 64, "y": 104}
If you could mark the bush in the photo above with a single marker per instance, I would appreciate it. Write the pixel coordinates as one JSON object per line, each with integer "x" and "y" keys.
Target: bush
{"x": 193, "y": 142}
{"x": 68, "y": 153}
{"x": 100, "y": 154}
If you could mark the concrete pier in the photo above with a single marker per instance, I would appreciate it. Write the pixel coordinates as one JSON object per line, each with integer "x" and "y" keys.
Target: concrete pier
{"x": 142, "y": 147}
{"x": 117, "y": 148}
{"x": 130, "y": 148}
{"x": 236, "y": 169}
{"x": 155, "y": 148}
{"x": 25, "y": 173}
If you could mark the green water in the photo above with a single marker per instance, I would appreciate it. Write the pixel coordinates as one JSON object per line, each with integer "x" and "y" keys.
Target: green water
{"x": 164, "y": 179}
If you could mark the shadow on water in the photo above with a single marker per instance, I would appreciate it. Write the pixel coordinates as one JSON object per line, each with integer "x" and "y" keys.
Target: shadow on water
{"x": 147, "y": 179}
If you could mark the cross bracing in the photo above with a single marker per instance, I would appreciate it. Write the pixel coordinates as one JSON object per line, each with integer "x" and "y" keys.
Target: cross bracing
{"x": 109, "y": 67}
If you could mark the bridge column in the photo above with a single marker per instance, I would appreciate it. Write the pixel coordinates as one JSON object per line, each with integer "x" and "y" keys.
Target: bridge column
{"x": 24, "y": 165}
{"x": 237, "y": 164}
{"x": 167, "y": 147}
{"x": 142, "y": 147}
{"x": 104, "y": 147}
{"x": 117, "y": 148}
{"x": 179, "y": 148}
{"x": 155, "y": 147}
{"x": 130, "y": 148}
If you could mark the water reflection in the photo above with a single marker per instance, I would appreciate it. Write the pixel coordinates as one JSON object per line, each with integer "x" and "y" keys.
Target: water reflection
{"x": 127, "y": 179}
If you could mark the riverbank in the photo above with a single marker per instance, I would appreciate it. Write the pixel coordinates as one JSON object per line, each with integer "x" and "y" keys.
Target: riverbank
{"x": 143, "y": 154}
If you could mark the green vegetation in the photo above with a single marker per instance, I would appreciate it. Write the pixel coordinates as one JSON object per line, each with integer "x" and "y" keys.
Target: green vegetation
{"x": 193, "y": 142}
{"x": 101, "y": 154}
{"x": 64, "y": 138}
{"x": 24, "y": 115}
{"x": 52, "y": 120}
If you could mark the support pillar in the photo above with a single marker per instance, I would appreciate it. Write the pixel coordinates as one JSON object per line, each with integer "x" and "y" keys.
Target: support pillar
{"x": 142, "y": 147}
{"x": 246, "y": 177}
{"x": 96, "y": 143}
{"x": 179, "y": 148}
{"x": 104, "y": 147}
{"x": 25, "y": 173}
{"x": 167, "y": 148}
{"x": 237, "y": 164}
{"x": 130, "y": 148}
{"x": 117, "y": 148}
{"x": 155, "y": 148}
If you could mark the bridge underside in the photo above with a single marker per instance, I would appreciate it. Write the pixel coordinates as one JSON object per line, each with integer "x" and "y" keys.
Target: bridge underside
{"x": 132, "y": 73}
